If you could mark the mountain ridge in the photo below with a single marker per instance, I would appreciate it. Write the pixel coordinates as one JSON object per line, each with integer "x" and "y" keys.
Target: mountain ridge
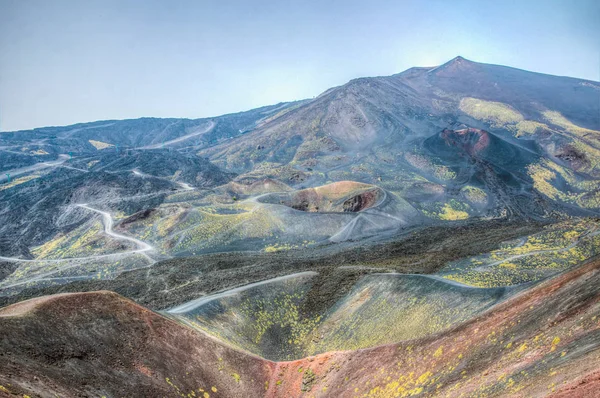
{"x": 407, "y": 71}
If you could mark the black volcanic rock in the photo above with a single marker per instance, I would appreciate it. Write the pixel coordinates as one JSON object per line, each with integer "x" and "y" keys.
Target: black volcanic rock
{"x": 32, "y": 212}
{"x": 189, "y": 168}
{"x": 143, "y": 132}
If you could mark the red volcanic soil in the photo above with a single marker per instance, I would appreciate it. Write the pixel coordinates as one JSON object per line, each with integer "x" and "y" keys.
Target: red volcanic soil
{"x": 342, "y": 196}
{"x": 544, "y": 341}
{"x": 586, "y": 386}
{"x": 101, "y": 344}
{"x": 471, "y": 140}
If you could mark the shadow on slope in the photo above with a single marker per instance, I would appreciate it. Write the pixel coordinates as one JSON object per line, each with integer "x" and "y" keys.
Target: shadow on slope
{"x": 541, "y": 342}
{"x": 271, "y": 318}
{"x": 100, "y": 344}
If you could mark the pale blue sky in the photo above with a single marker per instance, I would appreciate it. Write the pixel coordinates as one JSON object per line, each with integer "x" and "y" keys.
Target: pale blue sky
{"x": 64, "y": 61}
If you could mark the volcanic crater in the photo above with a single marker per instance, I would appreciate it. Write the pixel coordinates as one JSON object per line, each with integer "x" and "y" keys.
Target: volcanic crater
{"x": 339, "y": 197}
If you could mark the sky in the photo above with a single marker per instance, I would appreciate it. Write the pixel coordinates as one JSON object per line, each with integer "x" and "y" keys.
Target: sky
{"x": 70, "y": 61}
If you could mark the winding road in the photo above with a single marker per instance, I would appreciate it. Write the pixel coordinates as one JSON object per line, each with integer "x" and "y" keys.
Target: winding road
{"x": 192, "y": 305}
{"x": 42, "y": 165}
{"x": 108, "y": 223}
{"x": 183, "y": 185}
{"x": 108, "y": 229}
{"x": 210, "y": 126}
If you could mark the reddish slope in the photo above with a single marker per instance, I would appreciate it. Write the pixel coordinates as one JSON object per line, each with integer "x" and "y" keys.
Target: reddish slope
{"x": 471, "y": 140}
{"x": 100, "y": 344}
{"x": 543, "y": 342}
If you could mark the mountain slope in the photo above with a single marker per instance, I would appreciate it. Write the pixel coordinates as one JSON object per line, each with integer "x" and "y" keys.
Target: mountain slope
{"x": 44, "y": 205}
{"x": 115, "y": 348}
{"x": 145, "y": 133}
{"x": 542, "y": 342}
{"x": 379, "y": 131}
{"x": 421, "y": 101}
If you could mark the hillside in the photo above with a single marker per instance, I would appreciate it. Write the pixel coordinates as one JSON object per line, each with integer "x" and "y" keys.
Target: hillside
{"x": 540, "y": 342}
{"x": 431, "y": 233}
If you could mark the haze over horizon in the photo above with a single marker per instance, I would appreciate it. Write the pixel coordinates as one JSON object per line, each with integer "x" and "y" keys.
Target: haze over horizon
{"x": 67, "y": 62}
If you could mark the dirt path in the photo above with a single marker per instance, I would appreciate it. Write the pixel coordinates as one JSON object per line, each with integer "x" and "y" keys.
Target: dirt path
{"x": 24, "y": 170}
{"x": 108, "y": 229}
{"x": 185, "y": 186}
{"x": 211, "y": 124}
{"x": 192, "y": 305}
{"x": 108, "y": 223}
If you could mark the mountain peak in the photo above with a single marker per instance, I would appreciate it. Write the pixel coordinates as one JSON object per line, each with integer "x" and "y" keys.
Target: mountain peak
{"x": 456, "y": 64}
{"x": 458, "y": 58}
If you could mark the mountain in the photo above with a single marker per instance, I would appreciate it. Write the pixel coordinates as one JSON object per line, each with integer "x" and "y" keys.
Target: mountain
{"x": 430, "y": 233}
{"x": 543, "y": 342}
{"x": 43, "y": 204}
{"x": 418, "y": 102}
{"x": 380, "y": 131}
{"x": 147, "y": 133}
{"x": 459, "y": 141}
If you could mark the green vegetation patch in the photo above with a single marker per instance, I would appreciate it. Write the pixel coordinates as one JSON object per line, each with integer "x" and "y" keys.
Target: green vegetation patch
{"x": 474, "y": 195}
{"x": 452, "y": 210}
{"x": 558, "y": 248}
{"x": 495, "y": 113}
{"x": 99, "y": 145}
